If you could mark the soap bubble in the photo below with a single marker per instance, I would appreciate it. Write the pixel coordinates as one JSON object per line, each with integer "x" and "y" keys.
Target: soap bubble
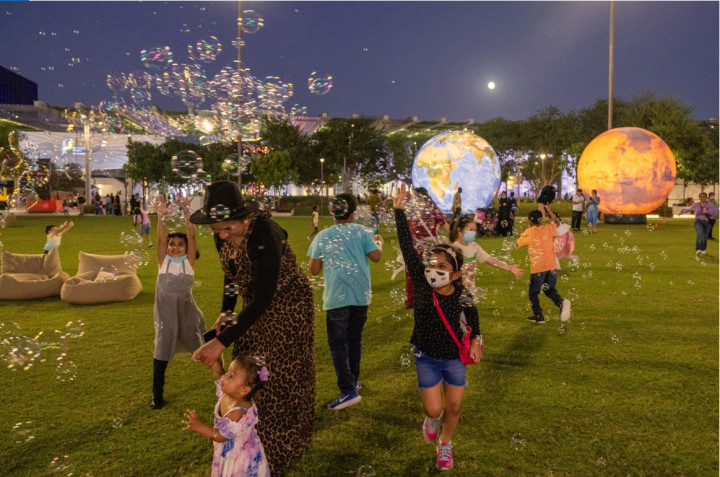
{"x": 398, "y": 295}
{"x": 614, "y": 339}
{"x": 365, "y": 471}
{"x": 405, "y": 359}
{"x": 561, "y": 330}
{"x": 517, "y": 442}
{"x": 187, "y": 165}
{"x": 578, "y": 357}
{"x": 107, "y": 274}
{"x": 74, "y": 329}
{"x": 601, "y": 460}
{"x": 66, "y": 371}
{"x": 116, "y": 82}
{"x": 156, "y": 58}
{"x": 130, "y": 239}
{"x": 23, "y": 432}
{"x": 117, "y": 423}
{"x": 205, "y": 49}
{"x": 320, "y": 83}
{"x": 61, "y": 465}
{"x": 22, "y": 352}
{"x": 251, "y": 21}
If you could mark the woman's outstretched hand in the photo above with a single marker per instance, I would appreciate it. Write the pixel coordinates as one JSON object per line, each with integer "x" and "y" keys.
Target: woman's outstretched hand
{"x": 401, "y": 198}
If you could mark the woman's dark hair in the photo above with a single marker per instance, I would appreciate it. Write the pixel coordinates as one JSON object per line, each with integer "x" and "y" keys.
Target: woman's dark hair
{"x": 185, "y": 239}
{"x": 256, "y": 373}
{"x": 459, "y": 222}
{"x": 48, "y": 228}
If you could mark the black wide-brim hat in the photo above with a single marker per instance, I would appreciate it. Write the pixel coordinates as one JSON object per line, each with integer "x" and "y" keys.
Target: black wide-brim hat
{"x": 223, "y": 201}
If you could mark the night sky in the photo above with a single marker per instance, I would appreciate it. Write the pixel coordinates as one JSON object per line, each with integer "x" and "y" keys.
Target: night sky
{"x": 425, "y": 59}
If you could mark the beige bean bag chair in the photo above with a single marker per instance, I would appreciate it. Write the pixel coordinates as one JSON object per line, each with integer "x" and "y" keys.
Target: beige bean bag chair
{"x": 101, "y": 279}
{"x": 25, "y": 277}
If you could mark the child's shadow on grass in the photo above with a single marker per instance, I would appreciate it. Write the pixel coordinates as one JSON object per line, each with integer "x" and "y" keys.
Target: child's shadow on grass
{"x": 517, "y": 355}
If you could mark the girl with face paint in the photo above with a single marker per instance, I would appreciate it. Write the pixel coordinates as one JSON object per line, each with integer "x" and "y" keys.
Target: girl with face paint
{"x": 463, "y": 233}
{"x": 440, "y": 372}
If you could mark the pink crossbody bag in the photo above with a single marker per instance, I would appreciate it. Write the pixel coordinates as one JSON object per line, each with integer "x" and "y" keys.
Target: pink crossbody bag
{"x": 464, "y": 346}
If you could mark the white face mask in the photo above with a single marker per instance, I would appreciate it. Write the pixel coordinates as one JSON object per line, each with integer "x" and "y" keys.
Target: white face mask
{"x": 437, "y": 278}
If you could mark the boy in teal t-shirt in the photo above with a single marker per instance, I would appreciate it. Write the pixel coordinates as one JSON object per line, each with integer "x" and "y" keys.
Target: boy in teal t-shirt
{"x": 342, "y": 252}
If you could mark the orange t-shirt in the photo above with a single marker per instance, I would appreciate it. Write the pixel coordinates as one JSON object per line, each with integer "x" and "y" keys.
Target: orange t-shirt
{"x": 541, "y": 250}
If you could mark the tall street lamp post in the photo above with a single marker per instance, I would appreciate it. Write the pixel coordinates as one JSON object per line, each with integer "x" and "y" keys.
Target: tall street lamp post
{"x": 542, "y": 159}
{"x": 322, "y": 183}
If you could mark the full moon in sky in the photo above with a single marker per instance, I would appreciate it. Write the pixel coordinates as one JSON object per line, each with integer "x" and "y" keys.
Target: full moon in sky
{"x": 632, "y": 169}
{"x": 491, "y": 85}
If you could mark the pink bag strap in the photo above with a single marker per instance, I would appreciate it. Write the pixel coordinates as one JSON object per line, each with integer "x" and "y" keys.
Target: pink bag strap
{"x": 447, "y": 325}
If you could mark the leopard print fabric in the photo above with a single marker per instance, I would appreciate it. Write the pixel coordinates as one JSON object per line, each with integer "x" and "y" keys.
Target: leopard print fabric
{"x": 284, "y": 335}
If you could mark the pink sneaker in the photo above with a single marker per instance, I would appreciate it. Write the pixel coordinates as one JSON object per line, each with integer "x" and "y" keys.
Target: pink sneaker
{"x": 431, "y": 427}
{"x": 444, "y": 458}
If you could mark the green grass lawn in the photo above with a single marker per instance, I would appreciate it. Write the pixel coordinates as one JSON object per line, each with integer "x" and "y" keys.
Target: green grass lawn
{"x": 628, "y": 387}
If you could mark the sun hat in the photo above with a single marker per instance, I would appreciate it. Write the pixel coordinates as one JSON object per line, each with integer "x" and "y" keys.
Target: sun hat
{"x": 223, "y": 201}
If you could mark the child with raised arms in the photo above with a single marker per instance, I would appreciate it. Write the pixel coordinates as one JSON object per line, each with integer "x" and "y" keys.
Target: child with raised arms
{"x": 54, "y": 235}
{"x": 440, "y": 370}
{"x": 179, "y": 323}
{"x": 237, "y": 450}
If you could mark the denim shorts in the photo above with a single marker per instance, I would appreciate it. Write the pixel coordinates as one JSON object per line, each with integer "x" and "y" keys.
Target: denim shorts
{"x": 145, "y": 229}
{"x": 431, "y": 371}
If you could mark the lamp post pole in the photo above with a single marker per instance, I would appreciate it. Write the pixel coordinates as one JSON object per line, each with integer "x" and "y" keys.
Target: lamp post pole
{"x": 542, "y": 178}
{"x": 239, "y": 96}
{"x": 88, "y": 172}
{"x": 610, "y": 69}
{"x": 322, "y": 183}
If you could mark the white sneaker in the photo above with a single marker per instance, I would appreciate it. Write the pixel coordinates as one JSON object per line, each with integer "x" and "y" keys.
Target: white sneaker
{"x": 565, "y": 312}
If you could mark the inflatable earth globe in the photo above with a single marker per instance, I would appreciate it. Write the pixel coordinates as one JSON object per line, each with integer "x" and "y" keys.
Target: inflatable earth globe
{"x": 632, "y": 169}
{"x": 457, "y": 159}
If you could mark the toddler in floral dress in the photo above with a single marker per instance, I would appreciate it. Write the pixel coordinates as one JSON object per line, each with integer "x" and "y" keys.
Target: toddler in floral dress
{"x": 238, "y": 451}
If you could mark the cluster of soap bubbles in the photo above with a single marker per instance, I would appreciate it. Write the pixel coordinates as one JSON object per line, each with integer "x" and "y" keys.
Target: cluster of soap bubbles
{"x": 134, "y": 255}
{"x": 30, "y": 173}
{"x": 21, "y": 352}
{"x": 174, "y": 216}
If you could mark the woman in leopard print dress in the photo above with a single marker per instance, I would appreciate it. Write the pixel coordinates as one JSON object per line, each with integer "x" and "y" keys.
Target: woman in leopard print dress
{"x": 276, "y": 320}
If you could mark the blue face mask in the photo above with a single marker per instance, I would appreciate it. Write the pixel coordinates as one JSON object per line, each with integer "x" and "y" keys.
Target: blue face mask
{"x": 469, "y": 236}
{"x": 177, "y": 259}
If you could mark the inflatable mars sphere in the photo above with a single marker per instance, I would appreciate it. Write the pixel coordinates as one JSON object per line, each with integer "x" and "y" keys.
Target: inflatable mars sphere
{"x": 632, "y": 169}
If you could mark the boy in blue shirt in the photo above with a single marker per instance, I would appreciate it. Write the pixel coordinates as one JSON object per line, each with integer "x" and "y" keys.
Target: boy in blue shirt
{"x": 342, "y": 252}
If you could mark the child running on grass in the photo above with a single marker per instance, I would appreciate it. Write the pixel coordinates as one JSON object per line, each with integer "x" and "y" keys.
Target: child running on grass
{"x": 541, "y": 250}
{"x": 315, "y": 219}
{"x": 440, "y": 371}
{"x": 54, "y": 235}
{"x": 179, "y": 323}
{"x": 237, "y": 450}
